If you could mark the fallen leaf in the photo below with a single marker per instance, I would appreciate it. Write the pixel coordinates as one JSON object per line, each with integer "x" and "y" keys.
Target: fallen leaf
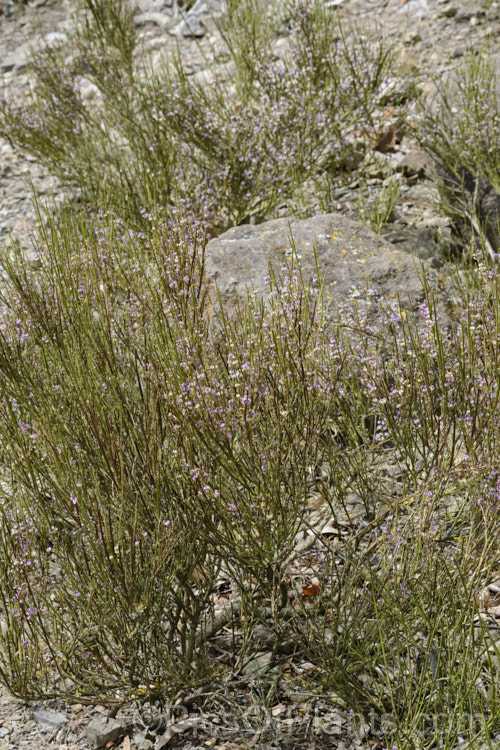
{"x": 386, "y": 139}
{"x": 315, "y": 501}
{"x": 126, "y": 742}
{"x": 279, "y": 709}
{"x": 311, "y": 590}
{"x": 488, "y": 600}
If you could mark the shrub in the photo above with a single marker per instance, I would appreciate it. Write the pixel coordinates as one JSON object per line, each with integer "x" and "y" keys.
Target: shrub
{"x": 149, "y": 455}
{"x": 143, "y": 459}
{"x": 159, "y": 136}
{"x": 459, "y": 128}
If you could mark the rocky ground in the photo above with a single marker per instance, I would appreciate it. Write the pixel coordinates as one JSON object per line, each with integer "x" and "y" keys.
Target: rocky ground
{"x": 435, "y": 32}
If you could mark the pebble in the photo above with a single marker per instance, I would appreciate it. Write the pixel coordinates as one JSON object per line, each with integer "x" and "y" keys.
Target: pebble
{"x": 159, "y": 19}
{"x": 101, "y": 731}
{"x": 49, "y": 720}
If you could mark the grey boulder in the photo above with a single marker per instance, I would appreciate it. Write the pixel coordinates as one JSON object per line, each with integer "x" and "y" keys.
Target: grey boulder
{"x": 357, "y": 265}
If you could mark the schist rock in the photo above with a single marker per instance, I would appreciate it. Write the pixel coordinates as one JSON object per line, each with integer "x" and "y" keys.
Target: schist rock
{"x": 357, "y": 265}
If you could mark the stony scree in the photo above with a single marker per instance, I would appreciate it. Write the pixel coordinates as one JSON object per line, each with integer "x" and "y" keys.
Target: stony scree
{"x": 418, "y": 225}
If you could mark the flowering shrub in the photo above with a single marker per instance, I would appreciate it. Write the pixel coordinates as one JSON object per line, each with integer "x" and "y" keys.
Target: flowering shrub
{"x": 460, "y": 131}
{"x": 151, "y": 456}
{"x": 148, "y": 454}
{"x": 143, "y": 458}
{"x": 158, "y": 136}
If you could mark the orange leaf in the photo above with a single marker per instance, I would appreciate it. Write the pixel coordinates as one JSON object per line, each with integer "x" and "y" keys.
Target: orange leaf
{"x": 311, "y": 590}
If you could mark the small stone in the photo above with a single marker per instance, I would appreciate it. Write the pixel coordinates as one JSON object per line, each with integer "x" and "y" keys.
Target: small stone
{"x": 467, "y": 11}
{"x": 379, "y": 165}
{"x": 425, "y": 194}
{"x": 448, "y": 12}
{"x": 259, "y": 664}
{"x": 144, "y": 6}
{"x": 415, "y": 163}
{"x": 158, "y": 42}
{"x": 142, "y": 742}
{"x": 416, "y": 8}
{"x": 411, "y": 38}
{"x": 204, "y": 77}
{"x": 16, "y": 61}
{"x": 88, "y": 90}
{"x": 191, "y": 27}
{"x": 48, "y": 720}
{"x": 102, "y": 731}
{"x": 55, "y": 38}
{"x": 158, "y": 19}
{"x": 205, "y": 7}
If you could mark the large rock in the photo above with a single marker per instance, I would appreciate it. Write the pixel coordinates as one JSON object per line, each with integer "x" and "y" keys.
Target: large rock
{"x": 358, "y": 265}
